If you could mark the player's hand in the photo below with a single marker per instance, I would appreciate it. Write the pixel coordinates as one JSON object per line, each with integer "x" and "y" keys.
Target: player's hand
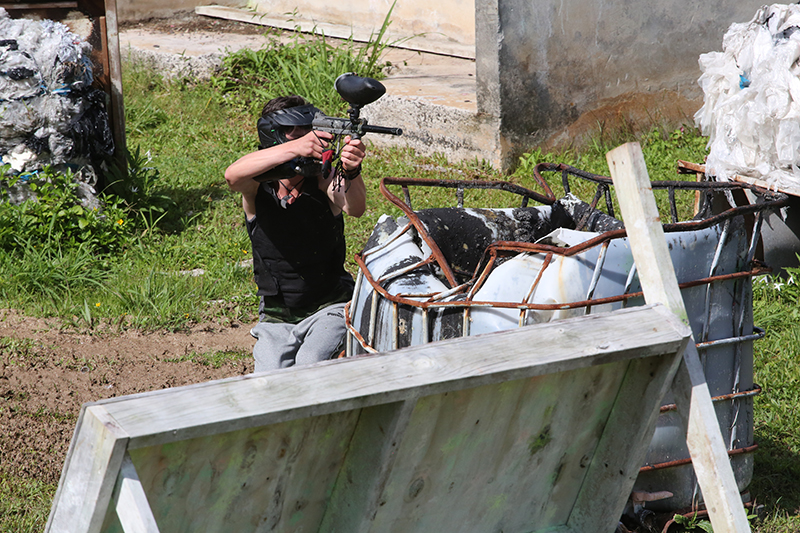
{"x": 353, "y": 153}
{"x": 312, "y": 144}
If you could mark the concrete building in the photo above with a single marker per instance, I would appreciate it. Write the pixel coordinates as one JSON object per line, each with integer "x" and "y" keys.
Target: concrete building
{"x": 547, "y": 72}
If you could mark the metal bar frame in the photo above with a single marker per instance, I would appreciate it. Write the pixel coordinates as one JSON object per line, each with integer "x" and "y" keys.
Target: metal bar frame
{"x": 771, "y": 200}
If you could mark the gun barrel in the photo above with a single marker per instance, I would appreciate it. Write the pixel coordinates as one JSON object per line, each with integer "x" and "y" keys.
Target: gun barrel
{"x": 368, "y": 128}
{"x": 343, "y": 126}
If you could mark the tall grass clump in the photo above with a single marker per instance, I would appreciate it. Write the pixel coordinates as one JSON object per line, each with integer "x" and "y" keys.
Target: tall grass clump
{"x": 307, "y": 66}
{"x": 776, "y": 308}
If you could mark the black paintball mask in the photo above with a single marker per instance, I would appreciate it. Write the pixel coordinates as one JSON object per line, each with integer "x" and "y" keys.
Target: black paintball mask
{"x": 272, "y": 129}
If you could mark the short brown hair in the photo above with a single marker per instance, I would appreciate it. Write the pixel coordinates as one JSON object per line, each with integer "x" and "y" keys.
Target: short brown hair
{"x": 282, "y": 102}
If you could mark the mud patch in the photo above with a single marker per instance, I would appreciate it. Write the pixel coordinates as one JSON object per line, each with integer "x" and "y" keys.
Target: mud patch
{"x": 48, "y": 373}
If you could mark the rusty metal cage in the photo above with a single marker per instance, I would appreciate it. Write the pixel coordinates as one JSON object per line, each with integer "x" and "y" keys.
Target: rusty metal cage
{"x": 708, "y": 214}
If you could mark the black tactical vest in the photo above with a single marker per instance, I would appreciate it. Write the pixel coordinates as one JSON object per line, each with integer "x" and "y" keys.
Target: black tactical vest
{"x": 298, "y": 252}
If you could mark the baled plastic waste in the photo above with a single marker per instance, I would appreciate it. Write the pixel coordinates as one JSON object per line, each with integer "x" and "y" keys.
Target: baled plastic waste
{"x": 49, "y": 112}
{"x": 751, "y": 109}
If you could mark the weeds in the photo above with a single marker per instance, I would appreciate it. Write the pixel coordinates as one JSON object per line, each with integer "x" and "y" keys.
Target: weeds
{"x": 777, "y": 421}
{"x": 140, "y": 188}
{"x": 693, "y": 523}
{"x": 250, "y": 78}
{"x": 215, "y": 359}
{"x": 57, "y": 214}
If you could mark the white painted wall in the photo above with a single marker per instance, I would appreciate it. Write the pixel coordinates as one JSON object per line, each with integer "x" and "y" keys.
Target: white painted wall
{"x": 446, "y": 20}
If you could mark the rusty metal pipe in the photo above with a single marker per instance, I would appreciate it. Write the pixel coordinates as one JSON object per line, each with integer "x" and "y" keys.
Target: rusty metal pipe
{"x": 688, "y": 460}
{"x": 755, "y": 391}
{"x": 544, "y": 307}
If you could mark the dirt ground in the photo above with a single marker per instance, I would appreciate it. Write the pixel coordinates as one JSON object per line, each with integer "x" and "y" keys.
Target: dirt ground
{"x": 192, "y": 23}
{"x": 47, "y": 373}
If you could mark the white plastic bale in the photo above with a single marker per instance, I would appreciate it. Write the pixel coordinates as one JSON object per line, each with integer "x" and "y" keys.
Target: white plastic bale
{"x": 40, "y": 108}
{"x": 63, "y": 58}
{"x": 17, "y": 118}
{"x": 18, "y": 73}
{"x": 751, "y": 109}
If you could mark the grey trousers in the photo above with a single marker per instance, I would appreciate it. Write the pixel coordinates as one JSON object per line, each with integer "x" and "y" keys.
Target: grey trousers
{"x": 317, "y": 338}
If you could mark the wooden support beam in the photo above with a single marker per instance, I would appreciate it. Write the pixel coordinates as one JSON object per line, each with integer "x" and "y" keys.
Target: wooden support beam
{"x": 659, "y": 284}
{"x": 117, "y": 111}
{"x": 41, "y": 5}
{"x": 261, "y": 399}
{"x": 93, "y": 461}
{"x": 133, "y": 511}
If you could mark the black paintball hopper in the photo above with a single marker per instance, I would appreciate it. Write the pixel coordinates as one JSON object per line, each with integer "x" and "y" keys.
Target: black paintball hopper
{"x": 358, "y": 91}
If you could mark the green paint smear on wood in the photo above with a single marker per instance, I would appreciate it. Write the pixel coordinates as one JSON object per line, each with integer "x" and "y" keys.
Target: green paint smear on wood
{"x": 540, "y": 441}
{"x": 454, "y": 443}
{"x": 498, "y": 502}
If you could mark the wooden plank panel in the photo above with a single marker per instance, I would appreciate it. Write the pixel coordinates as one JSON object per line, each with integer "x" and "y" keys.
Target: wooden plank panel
{"x": 623, "y": 446}
{"x": 90, "y": 473}
{"x": 274, "y": 478}
{"x": 659, "y": 284}
{"x": 332, "y": 386}
{"x": 484, "y": 425}
{"x": 370, "y": 462}
{"x": 501, "y": 457}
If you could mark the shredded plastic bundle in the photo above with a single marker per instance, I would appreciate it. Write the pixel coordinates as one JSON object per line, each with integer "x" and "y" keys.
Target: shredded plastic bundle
{"x": 49, "y": 113}
{"x": 751, "y": 111}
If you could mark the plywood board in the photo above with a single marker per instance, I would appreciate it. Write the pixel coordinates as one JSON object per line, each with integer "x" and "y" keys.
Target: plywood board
{"x": 523, "y": 430}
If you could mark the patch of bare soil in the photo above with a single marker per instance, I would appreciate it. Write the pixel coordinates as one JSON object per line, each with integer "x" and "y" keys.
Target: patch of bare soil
{"x": 191, "y": 23}
{"x": 48, "y": 373}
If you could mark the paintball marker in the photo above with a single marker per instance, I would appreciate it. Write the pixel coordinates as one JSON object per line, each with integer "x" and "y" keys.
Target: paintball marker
{"x": 357, "y": 92}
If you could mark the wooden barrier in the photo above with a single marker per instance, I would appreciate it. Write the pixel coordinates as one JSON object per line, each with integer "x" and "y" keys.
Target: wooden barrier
{"x": 541, "y": 428}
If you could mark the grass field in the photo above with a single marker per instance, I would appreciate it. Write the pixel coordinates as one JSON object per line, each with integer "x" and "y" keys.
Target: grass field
{"x": 181, "y": 217}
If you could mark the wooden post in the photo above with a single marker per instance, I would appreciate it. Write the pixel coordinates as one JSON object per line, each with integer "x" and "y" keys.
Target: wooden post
{"x": 659, "y": 284}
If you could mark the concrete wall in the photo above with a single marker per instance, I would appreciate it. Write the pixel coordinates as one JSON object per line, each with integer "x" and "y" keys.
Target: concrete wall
{"x": 445, "y": 20}
{"x": 548, "y": 72}
{"x": 551, "y": 70}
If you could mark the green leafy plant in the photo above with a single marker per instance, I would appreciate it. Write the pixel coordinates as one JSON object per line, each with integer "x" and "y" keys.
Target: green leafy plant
{"x": 55, "y": 213}
{"x": 307, "y": 66}
{"x": 693, "y": 523}
{"x": 139, "y": 187}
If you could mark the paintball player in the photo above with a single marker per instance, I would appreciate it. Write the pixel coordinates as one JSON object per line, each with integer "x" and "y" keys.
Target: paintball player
{"x": 293, "y": 206}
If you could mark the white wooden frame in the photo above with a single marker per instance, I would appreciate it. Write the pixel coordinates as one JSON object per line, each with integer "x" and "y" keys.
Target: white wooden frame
{"x": 604, "y": 375}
